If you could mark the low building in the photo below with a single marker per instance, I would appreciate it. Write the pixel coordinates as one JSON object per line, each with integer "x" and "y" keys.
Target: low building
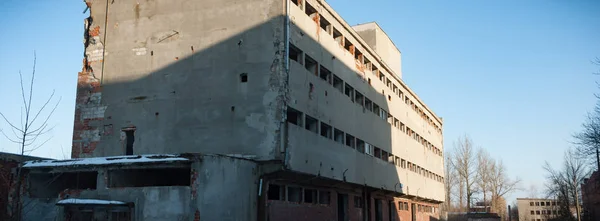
{"x": 8, "y": 164}
{"x": 590, "y": 191}
{"x": 537, "y": 209}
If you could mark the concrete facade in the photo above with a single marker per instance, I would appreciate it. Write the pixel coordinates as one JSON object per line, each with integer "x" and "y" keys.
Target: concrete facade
{"x": 278, "y": 99}
{"x": 531, "y": 209}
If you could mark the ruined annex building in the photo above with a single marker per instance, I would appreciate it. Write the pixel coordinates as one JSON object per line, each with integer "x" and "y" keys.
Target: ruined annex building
{"x": 248, "y": 110}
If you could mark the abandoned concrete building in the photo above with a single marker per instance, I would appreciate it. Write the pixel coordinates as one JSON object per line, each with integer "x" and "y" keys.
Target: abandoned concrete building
{"x": 240, "y": 110}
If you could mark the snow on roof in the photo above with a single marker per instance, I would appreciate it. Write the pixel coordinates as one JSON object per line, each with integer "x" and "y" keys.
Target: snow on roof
{"x": 89, "y": 202}
{"x": 104, "y": 161}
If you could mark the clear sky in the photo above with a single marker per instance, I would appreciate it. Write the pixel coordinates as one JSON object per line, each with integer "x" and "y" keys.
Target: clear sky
{"x": 516, "y": 76}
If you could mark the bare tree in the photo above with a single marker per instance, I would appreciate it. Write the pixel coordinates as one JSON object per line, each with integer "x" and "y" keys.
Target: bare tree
{"x": 465, "y": 164}
{"x": 484, "y": 175}
{"x": 500, "y": 183}
{"x": 588, "y": 139}
{"x": 450, "y": 182}
{"x": 33, "y": 123}
{"x": 566, "y": 182}
{"x": 533, "y": 191}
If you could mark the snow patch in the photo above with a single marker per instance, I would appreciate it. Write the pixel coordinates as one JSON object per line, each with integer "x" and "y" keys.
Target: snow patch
{"x": 105, "y": 160}
{"x": 89, "y": 201}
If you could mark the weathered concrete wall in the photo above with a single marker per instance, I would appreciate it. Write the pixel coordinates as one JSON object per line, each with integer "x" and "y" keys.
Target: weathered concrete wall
{"x": 172, "y": 71}
{"x": 222, "y": 188}
{"x": 317, "y": 98}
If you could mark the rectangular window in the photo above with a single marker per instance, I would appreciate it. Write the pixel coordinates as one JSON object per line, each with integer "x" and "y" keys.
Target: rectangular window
{"x": 360, "y": 145}
{"x": 312, "y": 124}
{"x": 338, "y": 83}
{"x": 276, "y": 192}
{"x": 129, "y": 139}
{"x": 325, "y": 25}
{"x": 359, "y": 98}
{"x": 369, "y": 148}
{"x": 294, "y": 116}
{"x": 311, "y": 65}
{"x": 339, "y": 38}
{"x": 295, "y": 54}
{"x": 325, "y": 75}
{"x": 368, "y": 104}
{"x": 49, "y": 185}
{"x": 377, "y": 152}
{"x": 294, "y": 194}
{"x": 350, "y": 141}
{"x": 310, "y": 10}
{"x": 324, "y": 197}
{"x": 338, "y": 136}
{"x": 376, "y": 109}
{"x": 326, "y": 130}
{"x": 349, "y": 91}
{"x": 358, "y": 202}
{"x": 310, "y": 196}
{"x": 381, "y": 77}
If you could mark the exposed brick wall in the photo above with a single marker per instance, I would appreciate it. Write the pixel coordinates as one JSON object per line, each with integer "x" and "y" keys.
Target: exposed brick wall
{"x": 89, "y": 111}
{"x": 590, "y": 192}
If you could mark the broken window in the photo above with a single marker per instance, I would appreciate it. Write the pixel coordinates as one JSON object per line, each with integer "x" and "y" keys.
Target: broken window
{"x": 376, "y": 109}
{"x": 295, "y": 54}
{"x": 244, "y": 77}
{"x": 294, "y": 194}
{"x": 325, "y": 25}
{"x": 349, "y": 91}
{"x": 389, "y": 83}
{"x": 338, "y": 136}
{"x": 368, "y": 104}
{"x": 310, "y": 10}
{"x": 324, "y": 197}
{"x": 326, "y": 131}
{"x": 339, "y": 38}
{"x": 384, "y": 155}
{"x": 381, "y": 77}
{"x": 358, "y": 56}
{"x": 129, "y": 139}
{"x": 358, "y": 98}
{"x": 312, "y": 124}
{"x": 311, "y": 65}
{"x": 276, "y": 192}
{"x": 325, "y": 74}
{"x": 297, "y": 2}
{"x": 49, "y": 185}
{"x": 377, "y": 152}
{"x": 350, "y": 141}
{"x": 368, "y": 64}
{"x": 338, "y": 83}
{"x": 149, "y": 177}
{"x": 360, "y": 145}
{"x": 294, "y": 116}
{"x": 348, "y": 46}
{"x": 310, "y": 196}
{"x": 369, "y": 149}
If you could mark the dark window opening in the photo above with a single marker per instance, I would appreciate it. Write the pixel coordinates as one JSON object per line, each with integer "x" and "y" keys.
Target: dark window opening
{"x": 338, "y": 136}
{"x": 310, "y": 196}
{"x": 326, "y": 130}
{"x": 338, "y": 83}
{"x": 350, "y": 140}
{"x": 384, "y": 155}
{"x": 358, "y": 98}
{"x": 360, "y": 145}
{"x": 325, "y": 25}
{"x": 311, "y": 65}
{"x": 295, "y": 54}
{"x": 129, "y": 139}
{"x": 325, "y": 74}
{"x": 324, "y": 197}
{"x": 49, "y": 185}
{"x": 310, "y": 10}
{"x": 349, "y": 91}
{"x": 348, "y": 46}
{"x": 368, "y": 104}
{"x": 149, "y": 177}
{"x": 275, "y": 192}
{"x": 312, "y": 124}
{"x": 377, "y": 152}
{"x": 381, "y": 77}
{"x": 244, "y": 77}
{"x": 378, "y": 210}
{"x": 294, "y": 116}
{"x": 296, "y": 2}
{"x": 358, "y": 55}
{"x": 368, "y": 63}
{"x": 338, "y": 36}
{"x": 376, "y": 109}
{"x": 294, "y": 194}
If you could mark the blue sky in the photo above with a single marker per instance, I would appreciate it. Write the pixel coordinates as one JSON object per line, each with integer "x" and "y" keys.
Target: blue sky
{"x": 515, "y": 76}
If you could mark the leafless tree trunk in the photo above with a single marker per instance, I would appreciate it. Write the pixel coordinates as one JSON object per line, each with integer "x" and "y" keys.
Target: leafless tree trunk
{"x": 568, "y": 179}
{"x": 450, "y": 182}
{"x": 588, "y": 139}
{"x": 465, "y": 164}
{"x": 484, "y": 162}
{"x": 500, "y": 183}
{"x": 33, "y": 124}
